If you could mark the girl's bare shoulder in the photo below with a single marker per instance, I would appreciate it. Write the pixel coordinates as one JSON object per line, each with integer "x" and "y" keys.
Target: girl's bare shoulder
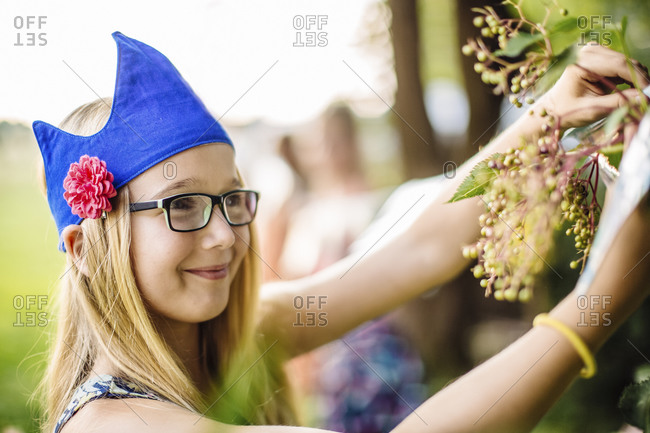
{"x": 138, "y": 415}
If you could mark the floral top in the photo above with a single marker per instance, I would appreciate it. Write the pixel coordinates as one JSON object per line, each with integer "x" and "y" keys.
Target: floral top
{"x": 102, "y": 386}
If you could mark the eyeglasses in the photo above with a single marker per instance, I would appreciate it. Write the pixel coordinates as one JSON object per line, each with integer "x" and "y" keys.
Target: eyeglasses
{"x": 192, "y": 211}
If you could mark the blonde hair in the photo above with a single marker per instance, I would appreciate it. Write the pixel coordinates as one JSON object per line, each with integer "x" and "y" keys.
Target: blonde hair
{"x": 102, "y": 311}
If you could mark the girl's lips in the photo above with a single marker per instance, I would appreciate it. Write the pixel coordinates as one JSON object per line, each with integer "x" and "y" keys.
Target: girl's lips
{"x": 210, "y": 273}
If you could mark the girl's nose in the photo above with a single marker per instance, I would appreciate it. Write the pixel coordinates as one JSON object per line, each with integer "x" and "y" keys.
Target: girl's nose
{"x": 218, "y": 233}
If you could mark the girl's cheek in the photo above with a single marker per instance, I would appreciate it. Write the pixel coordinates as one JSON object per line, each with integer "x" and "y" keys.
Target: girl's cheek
{"x": 243, "y": 240}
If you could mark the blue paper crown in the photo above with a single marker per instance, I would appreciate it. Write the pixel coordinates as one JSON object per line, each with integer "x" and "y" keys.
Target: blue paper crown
{"x": 155, "y": 114}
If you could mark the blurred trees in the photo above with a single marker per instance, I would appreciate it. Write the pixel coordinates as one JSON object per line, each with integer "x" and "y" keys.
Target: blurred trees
{"x": 421, "y": 152}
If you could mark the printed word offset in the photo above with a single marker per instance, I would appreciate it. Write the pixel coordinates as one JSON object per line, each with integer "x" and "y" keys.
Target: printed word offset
{"x": 309, "y": 30}
{"x": 29, "y": 32}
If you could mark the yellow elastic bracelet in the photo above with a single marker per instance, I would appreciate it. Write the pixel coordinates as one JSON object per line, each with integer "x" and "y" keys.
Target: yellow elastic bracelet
{"x": 587, "y": 357}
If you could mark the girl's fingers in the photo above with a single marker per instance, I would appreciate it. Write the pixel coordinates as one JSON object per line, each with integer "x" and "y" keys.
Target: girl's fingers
{"x": 609, "y": 63}
{"x": 593, "y": 109}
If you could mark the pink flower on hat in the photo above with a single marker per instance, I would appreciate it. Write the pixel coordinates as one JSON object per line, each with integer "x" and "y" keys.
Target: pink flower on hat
{"x": 88, "y": 187}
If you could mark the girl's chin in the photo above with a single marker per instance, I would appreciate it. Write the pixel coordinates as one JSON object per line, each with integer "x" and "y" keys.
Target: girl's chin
{"x": 193, "y": 315}
{"x": 205, "y": 314}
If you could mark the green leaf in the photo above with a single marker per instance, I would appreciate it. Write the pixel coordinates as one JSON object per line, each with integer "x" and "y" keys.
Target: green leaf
{"x": 568, "y": 24}
{"x": 517, "y": 44}
{"x": 563, "y": 34}
{"x": 614, "y": 120}
{"x": 475, "y": 184}
{"x": 635, "y": 405}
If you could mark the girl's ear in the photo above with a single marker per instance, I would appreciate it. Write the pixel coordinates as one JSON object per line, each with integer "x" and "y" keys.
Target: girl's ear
{"x": 73, "y": 237}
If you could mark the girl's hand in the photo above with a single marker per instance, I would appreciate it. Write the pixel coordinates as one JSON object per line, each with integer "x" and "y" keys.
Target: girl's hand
{"x": 583, "y": 94}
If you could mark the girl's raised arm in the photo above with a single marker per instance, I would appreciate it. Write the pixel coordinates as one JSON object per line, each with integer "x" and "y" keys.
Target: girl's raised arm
{"x": 512, "y": 391}
{"x": 357, "y": 289}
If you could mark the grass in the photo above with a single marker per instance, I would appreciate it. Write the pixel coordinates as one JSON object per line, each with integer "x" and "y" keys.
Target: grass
{"x": 30, "y": 266}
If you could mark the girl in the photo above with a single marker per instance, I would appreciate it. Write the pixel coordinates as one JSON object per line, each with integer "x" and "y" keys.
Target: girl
{"x": 160, "y": 325}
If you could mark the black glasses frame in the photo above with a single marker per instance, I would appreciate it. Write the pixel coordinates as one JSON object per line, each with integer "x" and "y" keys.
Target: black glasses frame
{"x": 164, "y": 203}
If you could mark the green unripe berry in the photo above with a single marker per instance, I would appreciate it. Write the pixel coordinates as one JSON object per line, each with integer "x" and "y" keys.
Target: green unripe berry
{"x": 479, "y": 68}
{"x": 498, "y": 295}
{"x": 467, "y": 50}
{"x": 525, "y": 295}
{"x": 484, "y": 283}
{"x": 478, "y": 21}
{"x": 551, "y": 183}
{"x": 486, "y": 32}
{"x": 510, "y": 294}
{"x": 574, "y": 264}
{"x": 530, "y": 100}
{"x": 481, "y": 56}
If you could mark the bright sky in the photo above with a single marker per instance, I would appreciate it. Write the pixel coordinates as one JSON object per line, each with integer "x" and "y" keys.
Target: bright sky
{"x": 239, "y": 56}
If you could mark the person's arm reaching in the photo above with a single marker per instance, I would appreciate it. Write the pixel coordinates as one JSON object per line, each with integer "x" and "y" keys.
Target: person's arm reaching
{"x": 514, "y": 389}
{"x": 355, "y": 290}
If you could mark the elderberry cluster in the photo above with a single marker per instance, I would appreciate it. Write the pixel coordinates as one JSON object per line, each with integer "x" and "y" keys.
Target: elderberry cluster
{"x": 505, "y": 68}
{"x": 522, "y": 203}
{"x": 532, "y": 191}
{"x": 582, "y": 210}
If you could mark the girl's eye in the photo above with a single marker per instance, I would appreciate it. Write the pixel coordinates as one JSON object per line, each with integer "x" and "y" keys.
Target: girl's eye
{"x": 233, "y": 200}
{"x": 187, "y": 203}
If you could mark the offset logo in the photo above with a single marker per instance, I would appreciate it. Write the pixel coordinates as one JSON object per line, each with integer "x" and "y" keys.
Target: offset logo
{"x": 29, "y": 310}
{"x": 29, "y": 31}
{"x": 593, "y": 310}
{"x": 589, "y": 26}
{"x": 309, "y": 30}
{"x": 313, "y": 315}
